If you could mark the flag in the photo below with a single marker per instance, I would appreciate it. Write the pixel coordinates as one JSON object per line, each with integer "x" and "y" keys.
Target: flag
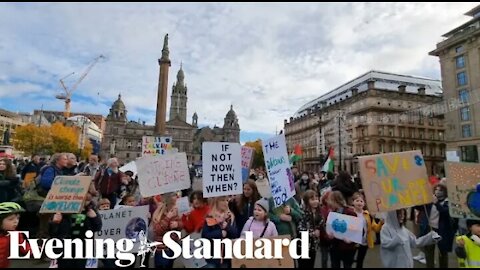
{"x": 328, "y": 165}
{"x": 297, "y": 154}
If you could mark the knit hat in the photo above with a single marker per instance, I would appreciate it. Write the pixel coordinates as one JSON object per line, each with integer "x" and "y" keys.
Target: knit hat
{"x": 471, "y": 222}
{"x": 264, "y": 204}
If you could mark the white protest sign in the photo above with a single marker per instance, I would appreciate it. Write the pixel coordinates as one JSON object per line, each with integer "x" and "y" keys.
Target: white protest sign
{"x": 131, "y": 166}
{"x": 91, "y": 263}
{"x": 278, "y": 168}
{"x": 183, "y": 205}
{"x": 193, "y": 263}
{"x": 247, "y": 157}
{"x": 126, "y": 222}
{"x": 345, "y": 227}
{"x": 153, "y": 146}
{"x": 163, "y": 174}
{"x": 222, "y": 169}
{"x": 452, "y": 156}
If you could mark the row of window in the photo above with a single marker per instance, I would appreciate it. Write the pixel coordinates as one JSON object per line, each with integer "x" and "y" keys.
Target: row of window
{"x": 404, "y": 147}
{"x": 467, "y": 131}
{"x": 382, "y": 131}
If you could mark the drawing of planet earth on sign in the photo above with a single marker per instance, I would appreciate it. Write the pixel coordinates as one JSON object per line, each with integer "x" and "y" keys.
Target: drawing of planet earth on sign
{"x": 134, "y": 227}
{"x": 473, "y": 201}
{"x": 339, "y": 226}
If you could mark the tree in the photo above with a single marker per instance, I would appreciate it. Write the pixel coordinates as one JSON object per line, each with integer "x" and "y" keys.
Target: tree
{"x": 32, "y": 139}
{"x": 258, "y": 160}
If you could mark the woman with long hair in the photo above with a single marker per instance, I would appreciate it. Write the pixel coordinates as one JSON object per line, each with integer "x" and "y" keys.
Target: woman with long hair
{"x": 242, "y": 205}
{"x": 9, "y": 183}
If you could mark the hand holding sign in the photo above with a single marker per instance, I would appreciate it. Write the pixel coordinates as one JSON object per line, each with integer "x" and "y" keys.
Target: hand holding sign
{"x": 57, "y": 218}
{"x": 91, "y": 213}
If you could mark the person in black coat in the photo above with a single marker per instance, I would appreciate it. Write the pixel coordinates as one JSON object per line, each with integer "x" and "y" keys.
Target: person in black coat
{"x": 32, "y": 167}
{"x": 9, "y": 183}
{"x": 344, "y": 183}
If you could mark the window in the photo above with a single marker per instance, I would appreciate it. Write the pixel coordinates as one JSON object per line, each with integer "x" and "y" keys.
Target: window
{"x": 432, "y": 150}
{"x": 424, "y": 149}
{"x": 463, "y": 96}
{"x": 128, "y": 155}
{"x": 138, "y": 155}
{"x": 412, "y": 133}
{"x": 440, "y": 135}
{"x": 390, "y": 132}
{"x": 460, "y": 61}
{"x": 139, "y": 144}
{"x": 430, "y": 121}
{"x": 380, "y": 130}
{"x": 381, "y": 147}
{"x": 392, "y": 148}
{"x": 421, "y": 134}
{"x": 466, "y": 131}
{"x": 402, "y": 132}
{"x": 462, "y": 78}
{"x": 459, "y": 49}
{"x": 432, "y": 135}
{"x": 129, "y": 144}
{"x": 465, "y": 113}
{"x": 469, "y": 153}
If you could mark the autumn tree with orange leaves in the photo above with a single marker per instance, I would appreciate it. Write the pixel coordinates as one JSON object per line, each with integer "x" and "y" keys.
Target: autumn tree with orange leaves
{"x": 57, "y": 138}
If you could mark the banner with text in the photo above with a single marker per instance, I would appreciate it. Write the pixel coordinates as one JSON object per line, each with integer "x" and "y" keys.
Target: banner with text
{"x": 463, "y": 186}
{"x": 127, "y": 222}
{"x": 247, "y": 158}
{"x": 67, "y": 194}
{"x": 345, "y": 227}
{"x": 222, "y": 169}
{"x": 395, "y": 180}
{"x": 163, "y": 174}
{"x": 278, "y": 168}
{"x": 154, "y": 146}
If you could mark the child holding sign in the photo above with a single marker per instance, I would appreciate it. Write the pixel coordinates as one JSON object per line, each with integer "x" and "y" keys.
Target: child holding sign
{"x": 312, "y": 222}
{"x": 193, "y": 222}
{"x": 9, "y": 218}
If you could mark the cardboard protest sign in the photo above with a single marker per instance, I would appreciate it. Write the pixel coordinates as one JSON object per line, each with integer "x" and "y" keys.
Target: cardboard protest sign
{"x": 222, "y": 169}
{"x": 183, "y": 205}
{"x": 67, "y": 195}
{"x": 247, "y": 158}
{"x": 286, "y": 262}
{"x": 163, "y": 174}
{"x": 278, "y": 168}
{"x": 463, "y": 181}
{"x": 128, "y": 222}
{"x": 395, "y": 180}
{"x": 193, "y": 262}
{"x": 154, "y": 146}
{"x": 345, "y": 227}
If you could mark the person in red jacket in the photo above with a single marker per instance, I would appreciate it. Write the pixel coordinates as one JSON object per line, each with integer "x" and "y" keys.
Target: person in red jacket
{"x": 108, "y": 182}
{"x": 193, "y": 222}
{"x": 9, "y": 218}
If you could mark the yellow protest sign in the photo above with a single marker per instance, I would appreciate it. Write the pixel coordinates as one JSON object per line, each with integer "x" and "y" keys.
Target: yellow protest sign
{"x": 395, "y": 180}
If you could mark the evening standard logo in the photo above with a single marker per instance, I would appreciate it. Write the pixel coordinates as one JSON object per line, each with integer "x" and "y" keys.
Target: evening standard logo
{"x": 122, "y": 250}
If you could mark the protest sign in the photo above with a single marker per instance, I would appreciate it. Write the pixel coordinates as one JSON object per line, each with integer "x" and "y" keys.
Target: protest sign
{"x": 193, "y": 262}
{"x": 395, "y": 180}
{"x": 222, "y": 169}
{"x": 163, "y": 174}
{"x": 131, "y": 166}
{"x": 67, "y": 195}
{"x": 126, "y": 222}
{"x": 286, "y": 262}
{"x": 463, "y": 181}
{"x": 345, "y": 227}
{"x": 278, "y": 168}
{"x": 183, "y": 205}
{"x": 247, "y": 158}
{"x": 452, "y": 156}
{"x": 154, "y": 146}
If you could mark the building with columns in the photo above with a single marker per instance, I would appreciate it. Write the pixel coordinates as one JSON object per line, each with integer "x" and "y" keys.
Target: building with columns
{"x": 377, "y": 112}
{"x": 123, "y": 138}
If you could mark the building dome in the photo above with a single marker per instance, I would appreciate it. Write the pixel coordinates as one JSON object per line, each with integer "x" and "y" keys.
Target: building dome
{"x": 231, "y": 114}
{"x": 118, "y": 104}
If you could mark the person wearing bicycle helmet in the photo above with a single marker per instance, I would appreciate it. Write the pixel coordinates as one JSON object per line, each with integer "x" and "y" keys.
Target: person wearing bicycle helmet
{"x": 9, "y": 218}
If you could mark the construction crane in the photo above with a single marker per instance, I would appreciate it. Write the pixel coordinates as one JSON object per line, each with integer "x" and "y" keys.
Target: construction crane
{"x": 67, "y": 96}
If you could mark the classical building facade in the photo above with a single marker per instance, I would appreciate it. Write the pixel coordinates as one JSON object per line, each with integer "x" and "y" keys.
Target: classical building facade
{"x": 377, "y": 112}
{"x": 123, "y": 138}
{"x": 459, "y": 57}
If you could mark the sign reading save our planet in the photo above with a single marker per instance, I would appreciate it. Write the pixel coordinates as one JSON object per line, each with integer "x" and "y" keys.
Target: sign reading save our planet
{"x": 67, "y": 194}
{"x": 395, "y": 180}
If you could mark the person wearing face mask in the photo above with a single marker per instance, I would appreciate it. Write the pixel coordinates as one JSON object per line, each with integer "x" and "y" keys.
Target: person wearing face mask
{"x": 301, "y": 186}
{"x": 109, "y": 181}
{"x": 263, "y": 186}
{"x": 438, "y": 220}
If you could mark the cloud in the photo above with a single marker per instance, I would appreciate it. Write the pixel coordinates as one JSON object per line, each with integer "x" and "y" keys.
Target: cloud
{"x": 267, "y": 59}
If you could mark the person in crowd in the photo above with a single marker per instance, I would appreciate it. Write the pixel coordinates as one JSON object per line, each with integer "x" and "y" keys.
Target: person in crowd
{"x": 311, "y": 222}
{"x": 74, "y": 226}
{"x": 344, "y": 183}
{"x": 9, "y": 219}
{"x": 72, "y": 167}
{"x": 259, "y": 224}
{"x": 439, "y": 220}
{"x": 370, "y": 228}
{"x": 103, "y": 204}
{"x": 92, "y": 167}
{"x": 194, "y": 220}
{"x": 263, "y": 185}
{"x": 31, "y": 170}
{"x": 9, "y": 183}
{"x": 48, "y": 173}
{"x": 326, "y": 182}
{"x": 304, "y": 184}
{"x": 165, "y": 219}
{"x": 341, "y": 250}
{"x": 468, "y": 246}
{"x": 242, "y": 205}
{"x": 219, "y": 224}
{"x": 325, "y": 243}
{"x": 397, "y": 241}
{"x": 127, "y": 201}
{"x": 286, "y": 217}
{"x": 108, "y": 181}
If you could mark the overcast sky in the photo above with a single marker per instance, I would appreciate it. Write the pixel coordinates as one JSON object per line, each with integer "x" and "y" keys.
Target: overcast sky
{"x": 265, "y": 59}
